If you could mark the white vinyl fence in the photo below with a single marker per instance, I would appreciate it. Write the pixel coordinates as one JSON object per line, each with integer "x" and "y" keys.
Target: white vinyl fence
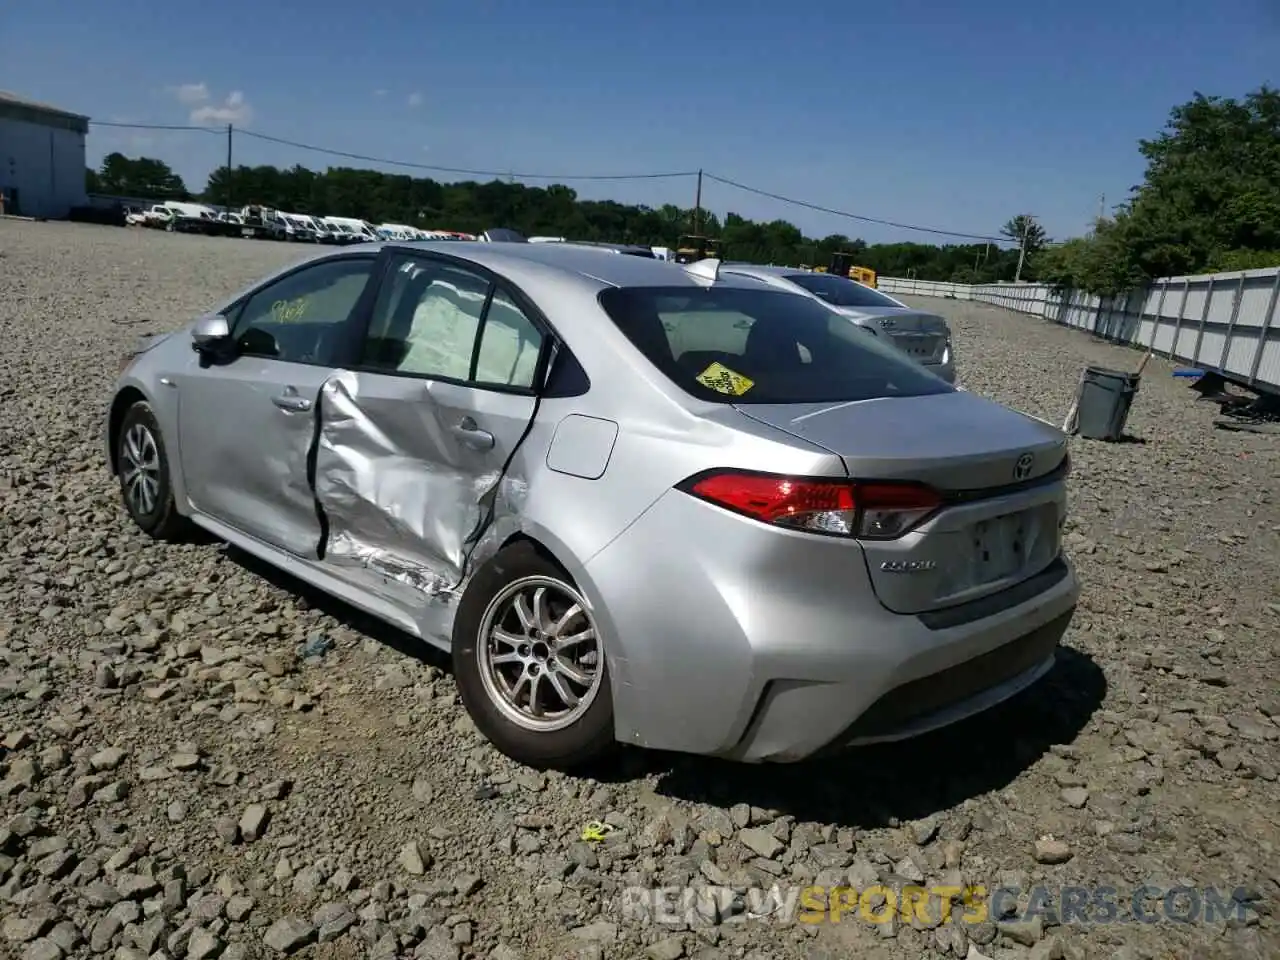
{"x": 1227, "y": 323}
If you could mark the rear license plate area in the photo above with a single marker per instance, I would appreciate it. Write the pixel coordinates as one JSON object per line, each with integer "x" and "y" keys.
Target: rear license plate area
{"x": 915, "y": 346}
{"x": 1000, "y": 546}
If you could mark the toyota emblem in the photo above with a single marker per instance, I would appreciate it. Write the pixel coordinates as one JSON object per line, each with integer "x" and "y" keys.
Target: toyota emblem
{"x": 1022, "y": 468}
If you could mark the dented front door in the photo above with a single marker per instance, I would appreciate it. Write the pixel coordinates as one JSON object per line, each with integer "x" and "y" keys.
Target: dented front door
{"x": 246, "y": 430}
{"x": 247, "y": 423}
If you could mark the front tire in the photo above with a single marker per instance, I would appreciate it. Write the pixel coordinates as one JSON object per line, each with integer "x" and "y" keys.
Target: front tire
{"x": 530, "y": 663}
{"x": 143, "y": 469}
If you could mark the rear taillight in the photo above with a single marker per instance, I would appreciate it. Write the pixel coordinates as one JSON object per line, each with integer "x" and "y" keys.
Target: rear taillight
{"x": 873, "y": 510}
{"x": 888, "y": 510}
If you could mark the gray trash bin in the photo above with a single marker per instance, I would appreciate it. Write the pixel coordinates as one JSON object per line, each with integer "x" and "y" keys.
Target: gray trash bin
{"x": 1105, "y": 398}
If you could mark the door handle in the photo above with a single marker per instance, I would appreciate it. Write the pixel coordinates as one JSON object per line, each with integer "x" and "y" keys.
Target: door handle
{"x": 470, "y": 433}
{"x": 291, "y": 401}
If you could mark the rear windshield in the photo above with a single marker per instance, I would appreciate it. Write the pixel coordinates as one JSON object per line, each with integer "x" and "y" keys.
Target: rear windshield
{"x": 840, "y": 291}
{"x": 736, "y": 345}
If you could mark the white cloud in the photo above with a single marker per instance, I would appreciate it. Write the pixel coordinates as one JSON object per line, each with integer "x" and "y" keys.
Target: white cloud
{"x": 191, "y": 94}
{"x": 379, "y": 93}
{"x": 204, "y": 109}
{"x": 415, "y": 100}
{"x": 234, "y": 109}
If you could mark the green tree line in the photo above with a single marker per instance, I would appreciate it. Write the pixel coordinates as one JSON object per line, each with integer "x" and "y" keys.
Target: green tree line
{"x": 1210, "y": 200}
{"x": 543, "y": 211}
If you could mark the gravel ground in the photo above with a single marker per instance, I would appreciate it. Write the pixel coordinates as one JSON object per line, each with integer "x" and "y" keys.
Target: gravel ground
{"x": 180, "y": 781}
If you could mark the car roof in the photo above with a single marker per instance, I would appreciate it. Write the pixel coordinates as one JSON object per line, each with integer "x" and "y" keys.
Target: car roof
{"x": 604, "y": 245}
{"x": 570, "y": 261}
{"x": 755, "y": 269}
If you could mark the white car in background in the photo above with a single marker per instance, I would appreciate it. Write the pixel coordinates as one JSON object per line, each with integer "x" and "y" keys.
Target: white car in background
{"x": 398, "y": 231}
{"x": 924, "y": 337}
{"x": 362, "y": 229}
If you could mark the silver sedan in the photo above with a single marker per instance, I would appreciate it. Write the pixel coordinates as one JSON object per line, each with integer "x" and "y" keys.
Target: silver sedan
{"x": 923, "y": 336}
{"x": 638, "y": 502}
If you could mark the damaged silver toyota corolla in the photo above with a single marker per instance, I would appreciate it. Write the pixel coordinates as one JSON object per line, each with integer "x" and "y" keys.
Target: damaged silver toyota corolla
{"x": 639, "y": 502}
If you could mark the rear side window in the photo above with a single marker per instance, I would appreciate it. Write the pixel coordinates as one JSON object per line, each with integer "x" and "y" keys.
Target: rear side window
{"x": 740, "y": 345}
{"x": 840, "y": 291}
{"x": 425, "y": 321}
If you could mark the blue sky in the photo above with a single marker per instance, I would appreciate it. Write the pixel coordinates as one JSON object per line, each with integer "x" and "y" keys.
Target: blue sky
{"x": 932, "y": 112}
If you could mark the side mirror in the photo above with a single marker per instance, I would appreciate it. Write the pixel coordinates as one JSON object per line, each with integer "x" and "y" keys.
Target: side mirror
{"x": 210, "y": 332}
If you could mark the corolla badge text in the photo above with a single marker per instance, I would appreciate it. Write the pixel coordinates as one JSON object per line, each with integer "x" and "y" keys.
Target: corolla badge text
{"x": 908, "y": 566}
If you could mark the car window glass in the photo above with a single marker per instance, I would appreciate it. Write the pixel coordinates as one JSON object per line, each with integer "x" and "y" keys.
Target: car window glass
{"x": 691, "y": 329}
{"x": 300, "y": 318}
{"x": 753, "y": 345}
{"x": 840, "y": 291}
{"x": 425, "y": 320}
{"x": 509, "y": 345}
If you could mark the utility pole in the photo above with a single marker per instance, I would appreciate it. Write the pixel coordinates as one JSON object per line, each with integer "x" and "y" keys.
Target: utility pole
{"x": 1102, "y": 206}
{"x": 697, "y": 207}
{"x": 1022, "y": 251}
{"x": 226, "y": 199}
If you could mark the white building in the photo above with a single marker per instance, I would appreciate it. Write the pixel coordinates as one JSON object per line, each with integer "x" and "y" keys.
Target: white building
{"x": 41, "y": 158}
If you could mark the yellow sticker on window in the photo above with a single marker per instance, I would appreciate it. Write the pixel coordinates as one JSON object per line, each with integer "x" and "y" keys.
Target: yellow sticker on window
{"x": 721, "y": 379}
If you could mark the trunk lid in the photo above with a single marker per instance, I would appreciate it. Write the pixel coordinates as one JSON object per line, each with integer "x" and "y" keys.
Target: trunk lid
{"x": 921, "y": 335}
{"x": 1002, "y": 475}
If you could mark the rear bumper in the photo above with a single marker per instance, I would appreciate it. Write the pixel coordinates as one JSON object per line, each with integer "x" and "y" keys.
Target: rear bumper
{"x": 762, "y": 645}
{"x": 915, "y": 707}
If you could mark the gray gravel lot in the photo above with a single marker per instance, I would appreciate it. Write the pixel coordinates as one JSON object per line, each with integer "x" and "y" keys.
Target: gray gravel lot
{"x": 178, "y": 781}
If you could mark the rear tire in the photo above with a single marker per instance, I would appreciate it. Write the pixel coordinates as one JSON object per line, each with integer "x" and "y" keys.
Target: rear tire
{"x": 524, "y": 638}
{"x": 142, "y": 466}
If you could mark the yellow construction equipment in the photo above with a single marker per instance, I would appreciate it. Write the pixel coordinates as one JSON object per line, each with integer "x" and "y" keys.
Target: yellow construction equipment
{"x": 694, "y": 247}
{"x": 842, "y": 265}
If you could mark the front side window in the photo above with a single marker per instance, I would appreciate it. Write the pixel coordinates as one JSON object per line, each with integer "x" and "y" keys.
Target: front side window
{"x": 749, "y": 345}
{"x": 300, "y": 318}
{"x": 840, "y": 291}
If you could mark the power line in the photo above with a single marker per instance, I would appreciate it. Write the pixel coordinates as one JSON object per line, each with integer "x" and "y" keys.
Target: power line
{"x": 514, "y": 175}
{"x": 155, "y": 126}
{"x": 435, "y": 168}
{"x": 853, "y": 216}
{"x": 464, "y": 171}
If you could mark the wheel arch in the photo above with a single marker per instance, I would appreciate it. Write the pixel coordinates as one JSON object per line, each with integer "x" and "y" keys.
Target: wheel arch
{"x": 124, "y": 400}
{"x": 586, "y": 739}
{"x": 559, "y": 553}
{"x": 520, "y": 536}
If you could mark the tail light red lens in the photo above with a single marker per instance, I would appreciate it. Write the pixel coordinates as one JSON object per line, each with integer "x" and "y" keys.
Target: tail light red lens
{"x": 888, "y": 510}
{"x": 877, "y": 510}
{"x": 822, "y": 506}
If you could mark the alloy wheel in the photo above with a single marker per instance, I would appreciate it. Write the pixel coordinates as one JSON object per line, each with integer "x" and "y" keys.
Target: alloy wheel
{"x": 540, "y": 656}
{"x": 140, "y": 469}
